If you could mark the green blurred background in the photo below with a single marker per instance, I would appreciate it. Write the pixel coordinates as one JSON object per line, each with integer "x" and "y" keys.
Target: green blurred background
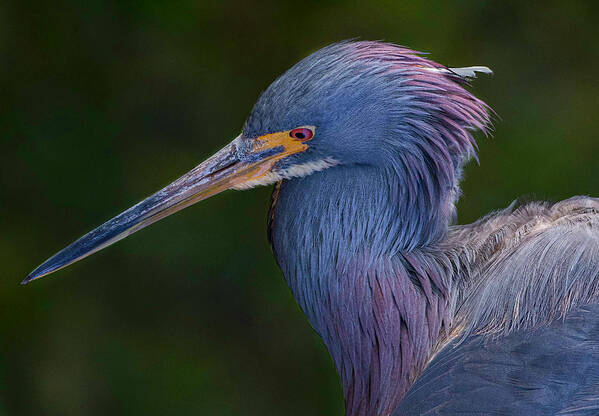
{"x": 104, "y": 102}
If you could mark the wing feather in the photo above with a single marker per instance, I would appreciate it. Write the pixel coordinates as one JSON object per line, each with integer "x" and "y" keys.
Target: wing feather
{"x": 526, "y": 330}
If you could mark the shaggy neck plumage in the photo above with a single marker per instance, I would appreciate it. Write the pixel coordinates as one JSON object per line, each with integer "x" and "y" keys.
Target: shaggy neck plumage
{"x": 377, "y": 298}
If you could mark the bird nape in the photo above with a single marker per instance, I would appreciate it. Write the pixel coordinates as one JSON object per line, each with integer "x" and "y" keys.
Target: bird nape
{"x": 366, "y": 142}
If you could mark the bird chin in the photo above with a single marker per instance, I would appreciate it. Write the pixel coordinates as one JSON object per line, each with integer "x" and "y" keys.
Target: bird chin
{"x": 293, "y": 171}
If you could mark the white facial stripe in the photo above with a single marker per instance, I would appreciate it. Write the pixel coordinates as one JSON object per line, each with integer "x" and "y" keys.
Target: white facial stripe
{"x": 295, "y": 171}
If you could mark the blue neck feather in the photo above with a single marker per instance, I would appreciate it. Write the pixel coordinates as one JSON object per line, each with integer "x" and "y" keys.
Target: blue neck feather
{"x": 358, "y": 243}
{"x": 377, "y": 298}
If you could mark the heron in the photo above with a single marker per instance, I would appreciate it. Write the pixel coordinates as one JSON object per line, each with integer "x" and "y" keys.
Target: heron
{"x": 365, "y": 143}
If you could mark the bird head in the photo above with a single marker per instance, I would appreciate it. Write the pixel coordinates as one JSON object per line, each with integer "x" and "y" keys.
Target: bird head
{"x": 366, "y": 103}
{"x": 369, "y": 103}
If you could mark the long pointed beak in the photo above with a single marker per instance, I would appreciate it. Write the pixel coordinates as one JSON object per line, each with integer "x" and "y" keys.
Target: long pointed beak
{"x": 237, "y": 165}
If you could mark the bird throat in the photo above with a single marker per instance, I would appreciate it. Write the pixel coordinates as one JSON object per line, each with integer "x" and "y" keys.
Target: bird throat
{"x": 360, "y": 264}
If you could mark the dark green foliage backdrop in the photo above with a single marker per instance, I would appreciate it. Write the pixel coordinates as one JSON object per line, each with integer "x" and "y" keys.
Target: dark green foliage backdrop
{"x": 104, "y": 102}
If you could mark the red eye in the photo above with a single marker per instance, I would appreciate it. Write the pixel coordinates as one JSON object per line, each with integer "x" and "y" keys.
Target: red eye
{"x": 301, "y": 134}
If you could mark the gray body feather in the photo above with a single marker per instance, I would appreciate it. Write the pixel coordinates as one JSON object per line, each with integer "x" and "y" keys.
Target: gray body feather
{"x": 525, "y": 338}
{"x": 553, "y": 370}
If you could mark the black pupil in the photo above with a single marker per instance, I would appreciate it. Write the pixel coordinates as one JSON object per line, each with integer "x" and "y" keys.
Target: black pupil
{"x": 300, "y": 135}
